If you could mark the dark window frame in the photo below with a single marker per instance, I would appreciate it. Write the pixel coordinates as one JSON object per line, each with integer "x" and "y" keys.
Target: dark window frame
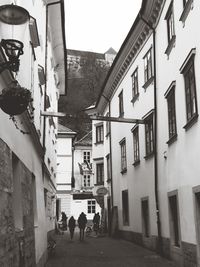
{"x": 148, "y": 66}
{"x": 123, "y": 155}
{"x": 149, "y": 134}
{"x": 136, "y": 145}
{"x": 170, "y": 23}
{"x": 99, "y": 134}
{"x": 175, "y": 230}
{"x": 91, "y": 206}
{"x": 125, "y": 207}
{"x": 121, "y": 104}
{"x": 135, "y": 84}
{"x": 188, "y": 71}
{"x": 145, "y": 217}
{"x": 100, "y": 173}
{"x": 171, "y": 105}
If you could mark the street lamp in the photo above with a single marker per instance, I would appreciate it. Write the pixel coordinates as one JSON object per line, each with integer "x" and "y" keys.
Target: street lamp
{"x": 13, "y": 22}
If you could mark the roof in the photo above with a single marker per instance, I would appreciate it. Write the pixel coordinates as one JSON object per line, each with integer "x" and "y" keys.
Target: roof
{"x": 138, "y": 34}
{"x": 111, "y": 51}
{"x": 73, "y": 52}
{"x": 64, "y": 129}
{"x": 85, "y": 140}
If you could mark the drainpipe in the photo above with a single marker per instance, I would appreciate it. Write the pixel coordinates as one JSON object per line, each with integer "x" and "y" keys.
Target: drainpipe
{"x": 110, "y": 148}
{"x": 159, "y": 244}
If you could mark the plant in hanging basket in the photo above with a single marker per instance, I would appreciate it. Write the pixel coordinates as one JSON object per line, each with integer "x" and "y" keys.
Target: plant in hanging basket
{"x": 15, "y": 99}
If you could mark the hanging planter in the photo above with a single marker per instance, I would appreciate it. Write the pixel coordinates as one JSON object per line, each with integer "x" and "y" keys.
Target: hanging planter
{"x": 15, "y": 99}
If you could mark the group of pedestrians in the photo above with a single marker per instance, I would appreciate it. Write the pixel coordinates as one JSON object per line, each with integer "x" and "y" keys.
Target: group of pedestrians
{"x": 82, "y": 222}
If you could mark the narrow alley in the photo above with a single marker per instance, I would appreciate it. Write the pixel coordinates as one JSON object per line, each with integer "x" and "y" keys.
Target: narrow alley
{"x": 102, "y": 251}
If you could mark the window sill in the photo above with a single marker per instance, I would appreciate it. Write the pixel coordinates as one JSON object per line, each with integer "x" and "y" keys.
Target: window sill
{"x": 190, "y": 123}
{"x": 107, "y": 135}
{"x": 172, "y": 139}
{"x": 98, "y": 143}
{"x": 98, "y": 184}
{"x": 136, "y": 97}
{"x": 171, "y": 44}
{"x": 147, "y": 83}
{"x": 136, "y": 163}
{"x": 150, "y": 155}
{"x": 124, "y": 171}
{"x": 189, "y": 6}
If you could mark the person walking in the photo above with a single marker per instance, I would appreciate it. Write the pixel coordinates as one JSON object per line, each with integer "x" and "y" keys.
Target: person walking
{"x": 82, "y": 221}
{"x": 64, "y": 221}
{"x": 71, "y": 225}
{"x": 96, "y": 221}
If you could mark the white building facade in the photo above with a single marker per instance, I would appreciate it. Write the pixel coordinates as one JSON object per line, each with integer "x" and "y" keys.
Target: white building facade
{"x": 74, "y": 176}
{"x": 154, "y": 187}
{"x": 28, "y": 140}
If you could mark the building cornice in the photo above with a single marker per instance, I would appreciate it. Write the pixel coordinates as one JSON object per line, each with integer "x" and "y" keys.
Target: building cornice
{"x": 135, "y": 40}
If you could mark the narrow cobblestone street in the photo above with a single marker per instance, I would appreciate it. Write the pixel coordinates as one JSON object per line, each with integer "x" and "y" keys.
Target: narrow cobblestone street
{"x": 102, "y": 251}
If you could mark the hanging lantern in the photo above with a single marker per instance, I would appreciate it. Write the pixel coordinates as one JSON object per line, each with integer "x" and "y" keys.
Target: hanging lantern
{"x": 13, "y": 23}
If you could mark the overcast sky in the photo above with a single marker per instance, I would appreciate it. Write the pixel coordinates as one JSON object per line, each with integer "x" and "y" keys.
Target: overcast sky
{"x": 97, "y": 25}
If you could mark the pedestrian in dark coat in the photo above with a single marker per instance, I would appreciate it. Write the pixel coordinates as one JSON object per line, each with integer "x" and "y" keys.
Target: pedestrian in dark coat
{"x": 72, "y": 225}
{"x": 82, "y": 221}
{"x": 64, "y": 220}
{"x": 96, "y": 221}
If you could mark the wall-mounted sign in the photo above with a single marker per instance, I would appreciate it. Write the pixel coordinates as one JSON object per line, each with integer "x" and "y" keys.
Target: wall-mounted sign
{"x": 102, "y": 191}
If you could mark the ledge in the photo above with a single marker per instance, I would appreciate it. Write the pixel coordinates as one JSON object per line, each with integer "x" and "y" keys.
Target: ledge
{"x": 124, "y": 171}
{"x": 186, "y": 10}
{"x": 190, "y": 123}
{"x": 136, "y": 163}
{"x": 149, "y": 156}
{"x": 171, "y": 44}
{"x": 98, "y": 143}
{"x": 147, "y": 83}
{"x": 172, "y": 139}
{"x": 136, "y": 97}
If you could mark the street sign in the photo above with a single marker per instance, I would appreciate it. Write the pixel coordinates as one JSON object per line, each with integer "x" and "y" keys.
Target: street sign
{"x": 102, "y": 191}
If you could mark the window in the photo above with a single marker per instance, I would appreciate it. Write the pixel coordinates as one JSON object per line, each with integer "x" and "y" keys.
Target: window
{"x": 125, "y": 207}
{"x": 148, "y": 66}
{"x": 145, "y": 217}
{"x": 86, "y": 156}
{"x": 108, "y": 167}
{"x": 188, "y": 72}
{"x": 170, "y": 96}
{"x": 123, "y": 155}
{"x": 17, "y": 193}
{"x": 99, "y": 134}
{"x": 100, "y": 173}
{"x": 170, "y": 23}
{"x": 136, "y": 144}
{"x": 174, "y": 220}
{"x": 86, "y": 180}
{"x": 149, "y": 135}
{"x": 91, "y": 206}
{"x": 121, "y": 105}
{"x": 107, "y": 125}
{"x": 34, "y": 201}
{"x": 135, "y": 90}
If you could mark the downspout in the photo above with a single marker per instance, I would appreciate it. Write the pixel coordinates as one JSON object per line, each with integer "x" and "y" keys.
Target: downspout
{"x": 110, "y": 148}
{"x": 159, "y": 244}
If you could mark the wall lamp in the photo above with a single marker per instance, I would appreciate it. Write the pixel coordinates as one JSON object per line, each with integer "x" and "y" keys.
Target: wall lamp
{"x": 13, "y": 22}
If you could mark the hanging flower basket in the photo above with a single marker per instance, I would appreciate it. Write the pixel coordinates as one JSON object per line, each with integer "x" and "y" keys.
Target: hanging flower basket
{"x": 15, "y": 99}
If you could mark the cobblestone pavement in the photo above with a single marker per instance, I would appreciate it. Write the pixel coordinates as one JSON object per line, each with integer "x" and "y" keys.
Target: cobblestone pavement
{"x": 102, "y": 252}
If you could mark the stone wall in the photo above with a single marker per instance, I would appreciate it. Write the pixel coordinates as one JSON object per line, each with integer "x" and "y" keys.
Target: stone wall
{"x": 17, "y": 248}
